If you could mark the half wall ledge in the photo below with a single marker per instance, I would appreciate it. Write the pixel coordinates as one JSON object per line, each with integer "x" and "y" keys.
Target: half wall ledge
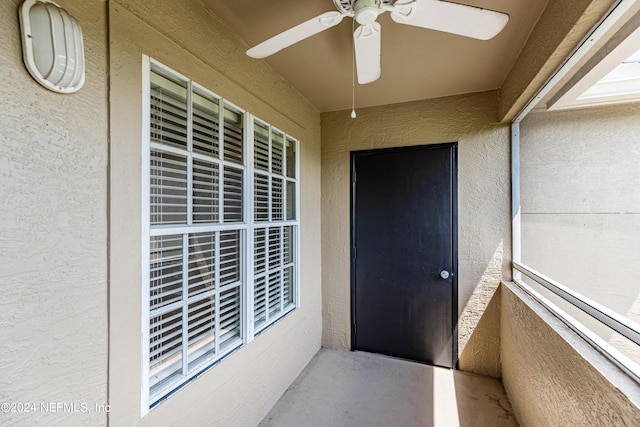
{"x": 552, "y": 376}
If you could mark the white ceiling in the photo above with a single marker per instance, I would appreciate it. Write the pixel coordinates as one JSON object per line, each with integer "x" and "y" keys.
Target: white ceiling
{"x": 417, "y": 63}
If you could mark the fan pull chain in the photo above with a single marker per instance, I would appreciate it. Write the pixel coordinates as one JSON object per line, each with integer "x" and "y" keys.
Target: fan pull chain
{"x": 353, "y": 71}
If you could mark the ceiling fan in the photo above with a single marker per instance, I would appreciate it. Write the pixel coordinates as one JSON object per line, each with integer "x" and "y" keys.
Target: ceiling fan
{"x": 468, "y": 21}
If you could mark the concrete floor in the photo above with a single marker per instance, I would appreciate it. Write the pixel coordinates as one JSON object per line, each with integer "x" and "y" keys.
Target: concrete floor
{"x": 341, "y": 388}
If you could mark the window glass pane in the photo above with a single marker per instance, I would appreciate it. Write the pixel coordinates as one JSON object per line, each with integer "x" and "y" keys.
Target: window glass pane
{"x": 260, "y": 251}
{"x": 291, "y": 200}
{"x": 288, "y": 245}
{"x": 276, "y": 200}
{"x": 229, "y": 257}
{"x": 291, "y": 158}
{"x": 289, "y": 295}
{"x": 229, "y": 314}
{"x": 201, "y": 326}
{"x": 233, "y": 183}
{"x": 233, "y": 141}
{"x": 168, "y": 192}
{"x": 205, "y": 191}
{"x": 274, "y": 247}
{"x": 168, "y": 111}
{"x": 165, "y": 348}
{"x": 275, "y": 297}
{"x": 261, "y": 198}
{"x": 202, "y": 252}
{"x": 261, "y": 147}
{"x": 165, "y": 270}
{"x": 205, "y": 124}
{"x": 260, "y": 301}
{"x": 277, "y": 149}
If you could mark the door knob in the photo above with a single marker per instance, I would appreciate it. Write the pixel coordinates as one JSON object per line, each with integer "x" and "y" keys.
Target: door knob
{"x": 445, "y": 274}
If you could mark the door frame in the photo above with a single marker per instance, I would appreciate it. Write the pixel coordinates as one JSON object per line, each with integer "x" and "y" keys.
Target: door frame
{"x": 453, "y": 149}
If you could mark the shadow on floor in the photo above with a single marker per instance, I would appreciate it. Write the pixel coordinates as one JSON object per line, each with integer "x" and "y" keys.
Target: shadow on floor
{"x": 341, "y": 388}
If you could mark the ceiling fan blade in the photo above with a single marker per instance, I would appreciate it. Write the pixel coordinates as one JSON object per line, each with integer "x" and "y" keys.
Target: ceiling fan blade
{"x": 366, "y": 40}
{"x": 294, "y": 35}
{"x": 469, "y": 21}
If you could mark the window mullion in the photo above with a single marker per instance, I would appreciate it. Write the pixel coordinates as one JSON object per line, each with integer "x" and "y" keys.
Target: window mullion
{"x": 216, "y": 302}
{"x": 185, "y": 304}
{"x": 190, "y": 153}
{"x": 285, "y": 139}
{"x": 249, "y": 267}
{"x": 269, "y": 178}
{"x": 267, "y": 274}
{"x": 185, "y": 237}
{"x": 284, "y": 194}
{"x": 221, "y": 167}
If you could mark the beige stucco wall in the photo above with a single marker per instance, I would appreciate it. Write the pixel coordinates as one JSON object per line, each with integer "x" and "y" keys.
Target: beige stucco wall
{"x": 70, "y": 234}
{"x": 53, "y": 231}
{"x": 581, "y": 204}
{"x": 243, "y": 387}
{"x": 553, "y": 377}
{"x": 484, "y": 209}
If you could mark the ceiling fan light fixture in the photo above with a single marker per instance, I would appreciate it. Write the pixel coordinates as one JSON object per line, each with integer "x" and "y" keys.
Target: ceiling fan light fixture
{"x": 366, "y": 11}
{"x": 447, "y": 16}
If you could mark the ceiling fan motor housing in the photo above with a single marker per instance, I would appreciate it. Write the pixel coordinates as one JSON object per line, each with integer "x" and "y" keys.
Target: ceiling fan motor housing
{"x": 366, "y": 11}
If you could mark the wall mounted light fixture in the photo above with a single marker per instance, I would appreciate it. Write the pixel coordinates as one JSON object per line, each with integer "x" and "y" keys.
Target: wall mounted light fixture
{"x": 52, "y": 46}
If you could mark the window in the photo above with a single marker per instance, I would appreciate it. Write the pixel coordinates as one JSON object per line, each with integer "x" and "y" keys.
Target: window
{"x": 274, "y": 237}
{"x": 222, "y": 229}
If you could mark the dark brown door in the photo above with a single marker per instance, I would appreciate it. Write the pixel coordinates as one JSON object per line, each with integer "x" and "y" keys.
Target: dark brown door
{"x": 404, "y": 258}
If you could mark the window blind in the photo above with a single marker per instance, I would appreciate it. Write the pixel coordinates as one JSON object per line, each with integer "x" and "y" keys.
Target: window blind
{"x": 205, "y": 124}
{"x": 205, "y": 191}
{"x": 168, "y": 188}
{"x": 168, "y": 111}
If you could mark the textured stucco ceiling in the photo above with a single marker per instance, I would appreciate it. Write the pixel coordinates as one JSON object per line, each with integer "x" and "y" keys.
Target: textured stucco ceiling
{"x": 416, "y": 63}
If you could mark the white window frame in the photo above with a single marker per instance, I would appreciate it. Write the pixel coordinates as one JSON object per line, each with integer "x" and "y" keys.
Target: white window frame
{"x": 246, "y": 227}
{"x": 273, "y": 223}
